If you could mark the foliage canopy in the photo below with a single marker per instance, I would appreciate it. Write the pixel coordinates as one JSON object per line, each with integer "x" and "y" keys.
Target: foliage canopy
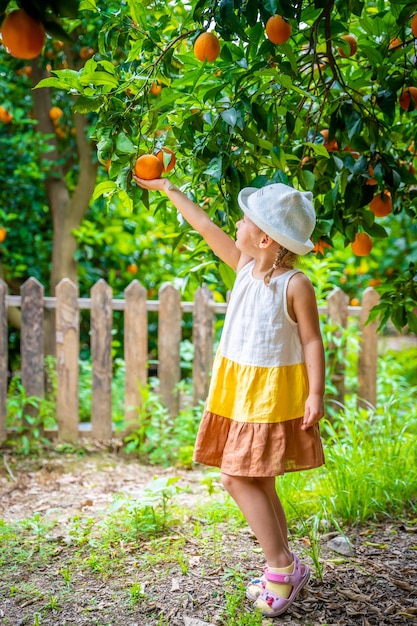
{"x": 312, "y": 112}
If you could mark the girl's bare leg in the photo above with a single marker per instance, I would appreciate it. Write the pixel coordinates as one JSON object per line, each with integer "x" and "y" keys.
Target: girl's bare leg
{"x": 259, "y": 503}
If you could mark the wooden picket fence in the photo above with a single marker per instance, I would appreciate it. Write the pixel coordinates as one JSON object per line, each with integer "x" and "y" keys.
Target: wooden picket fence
{"x": 135, "y": 307}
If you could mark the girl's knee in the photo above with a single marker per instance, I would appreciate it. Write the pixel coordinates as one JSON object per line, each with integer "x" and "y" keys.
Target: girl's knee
{"x": 232, "y": 483}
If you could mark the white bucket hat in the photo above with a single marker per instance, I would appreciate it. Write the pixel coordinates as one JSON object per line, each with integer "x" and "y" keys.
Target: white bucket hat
{"x": 283, "y": 213}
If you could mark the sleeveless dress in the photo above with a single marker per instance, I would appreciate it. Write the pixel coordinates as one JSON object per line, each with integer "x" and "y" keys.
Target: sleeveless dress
{"x": 252, "y": 420}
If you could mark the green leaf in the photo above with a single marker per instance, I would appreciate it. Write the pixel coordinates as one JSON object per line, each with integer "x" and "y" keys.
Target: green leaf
{"x": 227, "y": 274}
{"x": 87, "y": 105}
{"x": 229, "y": 116}
{"x": 99, "y": 79}
{"x": 104, "y": 189}
{"x": 57, "y": 32}
{"x": 124, "y": 144}
{"x": 387, "y": 100}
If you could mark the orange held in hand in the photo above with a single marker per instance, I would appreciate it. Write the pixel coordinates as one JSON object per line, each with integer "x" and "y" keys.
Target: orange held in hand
{"x": 167, "y": 158}
{"x": 22, "y": 35}
{"x": 277, "y": 29}
{"x": 362, "y": 245}
{"x": 148, "y": 167}
{"x": 206, "y": 47}
{"x": 381, "y": 204}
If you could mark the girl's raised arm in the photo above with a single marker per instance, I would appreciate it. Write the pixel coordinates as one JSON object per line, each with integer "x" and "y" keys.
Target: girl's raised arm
{"x": 222, "y": 245}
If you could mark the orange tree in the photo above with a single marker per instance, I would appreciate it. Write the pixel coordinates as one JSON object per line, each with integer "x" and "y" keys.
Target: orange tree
{"x": 331, "y": 109}
{"x": 257, "y": 113}
{"x": 50, "y": 227}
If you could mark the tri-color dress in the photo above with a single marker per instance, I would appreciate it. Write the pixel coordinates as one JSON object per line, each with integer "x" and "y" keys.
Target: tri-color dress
{"x": 251, "y": 425}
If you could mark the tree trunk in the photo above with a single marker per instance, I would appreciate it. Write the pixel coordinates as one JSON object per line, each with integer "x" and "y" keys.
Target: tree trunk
{"x": 67, "y": 211}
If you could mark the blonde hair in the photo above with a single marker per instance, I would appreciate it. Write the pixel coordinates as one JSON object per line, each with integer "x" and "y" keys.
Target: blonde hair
{"x": 281, "y": 260}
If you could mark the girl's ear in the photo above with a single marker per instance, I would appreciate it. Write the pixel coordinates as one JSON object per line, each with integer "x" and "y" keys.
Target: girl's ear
{"x": 265, "y": 241}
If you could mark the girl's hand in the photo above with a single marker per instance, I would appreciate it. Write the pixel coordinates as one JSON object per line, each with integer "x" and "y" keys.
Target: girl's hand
{"x": 314, "y": 410}
{"x": 157, "y": 184}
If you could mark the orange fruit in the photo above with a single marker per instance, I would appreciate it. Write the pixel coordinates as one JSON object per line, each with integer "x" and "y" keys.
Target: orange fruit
{"x": 353, "y": 46}
{"x": 362, "y": 245}
{"x": 381, "y": 204}
{"x": 167, "y": 158}
{"x": 55, "y": 113}
{"x": 86, "y": 53}
{"x": 332, "y": 145}
{"x": 3, "y": 234}
{"x": 22, "y": 35}
{"x": 132, "y": 268}
{"x": 413, "y": 25}
{"x": 277, "y": 29}
{"x": 156, "y": 88}
{"x": 320, "y": 246}
{"x": 5, "y": 116}
{"x": 371, "y": 180}
{"x": 206, "y": 47}
{"x": 394, "y": 43}
{"x": 374, "y": 282}
{"x": 406, "y": 96}
{"x": 24, "y": 71}
{"x": 354, "y": 302}
{"x": 148, "y": 167}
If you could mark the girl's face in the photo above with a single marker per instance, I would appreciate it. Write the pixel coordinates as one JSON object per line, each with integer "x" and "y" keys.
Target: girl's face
{"x": 248, "y": 235}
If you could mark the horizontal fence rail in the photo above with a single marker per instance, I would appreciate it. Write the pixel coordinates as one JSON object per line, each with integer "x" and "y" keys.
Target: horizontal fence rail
{"x": 67, "y": 306}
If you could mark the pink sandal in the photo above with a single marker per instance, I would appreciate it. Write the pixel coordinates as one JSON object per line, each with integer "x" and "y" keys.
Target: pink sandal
{"x": 256, "y": 582}
{"x": 297, "y": 580}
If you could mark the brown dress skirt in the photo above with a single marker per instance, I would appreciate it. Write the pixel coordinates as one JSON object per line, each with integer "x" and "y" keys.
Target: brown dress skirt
{"x": 251, "y": 449}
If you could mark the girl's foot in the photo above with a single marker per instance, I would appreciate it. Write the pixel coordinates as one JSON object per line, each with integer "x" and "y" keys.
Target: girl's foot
{"x": 281, "y": 588}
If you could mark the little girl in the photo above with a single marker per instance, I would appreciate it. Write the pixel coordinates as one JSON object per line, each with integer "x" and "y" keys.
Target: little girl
{"x": 266, "y": 393}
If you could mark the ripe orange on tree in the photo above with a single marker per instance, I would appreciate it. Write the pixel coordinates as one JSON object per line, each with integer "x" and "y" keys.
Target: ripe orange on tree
{"x": 381, "y": 204}
{"x": 277, "y": 29}
{"x": 167, "y": 158}
{"x": 55, "y": 113}
{"x": 132, "y": 268}
{"x": 148, "y": 167}
{"x": 395, "y": 43}
{"x": 362, "y": 245}
{"x": 413, "y": 25}
{"x": 371, "y": 180}
{"x": 206, "y": 47}
{"x": 332, "y": 145}
{"x": 86, "y": 53}
{"x": 5, "y": 116}
{"x": 22, "y": 35}
{"x": 3, "y": 234}
{"x": 408, "y": 95}
{"x": 156, "y": 88}
{"x": 321, "y": 246}
{"x": 353, "y": 45}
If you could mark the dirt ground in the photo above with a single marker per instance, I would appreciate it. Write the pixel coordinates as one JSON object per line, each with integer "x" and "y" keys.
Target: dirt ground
{"x": 375, "y": 586}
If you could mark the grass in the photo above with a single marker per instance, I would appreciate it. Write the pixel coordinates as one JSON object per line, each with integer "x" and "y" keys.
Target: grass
{"x": 370, "y": 473}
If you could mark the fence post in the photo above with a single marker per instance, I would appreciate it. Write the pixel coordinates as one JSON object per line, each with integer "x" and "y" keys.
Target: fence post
{"x": 32, "y": 340}
{"x": 101, "y": 334}
{"x": 368, "y": 354}
{"x": 3, "y": 359}
{"x": 135, "y": 348}
{"x": 337, "y": 309}
{"x": 67, "y": 355}
{"x": 169, "y": 339}
{"x": 203, "y": 323}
